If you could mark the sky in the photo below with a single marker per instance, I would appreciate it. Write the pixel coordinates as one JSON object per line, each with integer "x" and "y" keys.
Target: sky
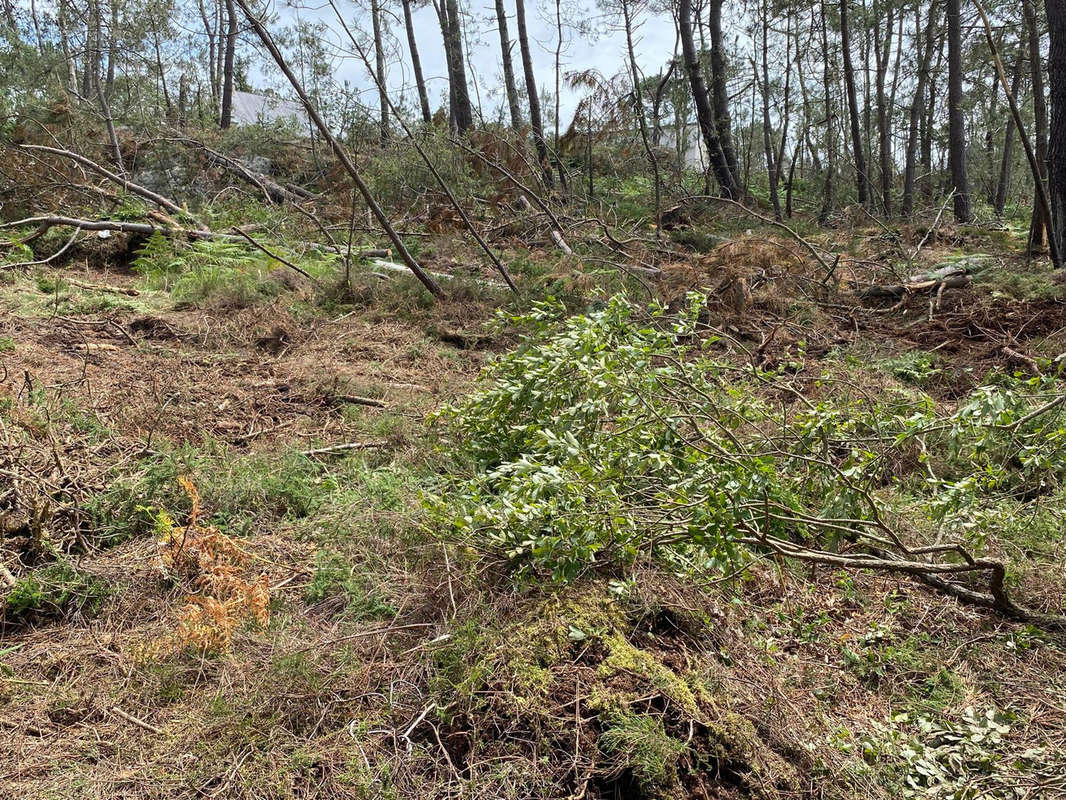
{"x": 603, "y": 49}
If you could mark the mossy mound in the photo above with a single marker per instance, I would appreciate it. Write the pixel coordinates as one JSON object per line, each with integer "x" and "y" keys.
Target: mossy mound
{"x": 613, "y": 691}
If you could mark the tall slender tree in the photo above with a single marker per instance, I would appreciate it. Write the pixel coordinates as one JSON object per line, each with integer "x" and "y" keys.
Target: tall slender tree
{"x": 1056, "y": 16}
{"x": 226, "y": 116}
{"x": 416, "y": 63}
{"x": 535, "y": 120}
{"x": 862, "y": 181}
{"x": 508, "y": 67}
{"x": 957, "y": 159}
{"x": 925, "y": 56}
{"x": 702, "y": 101}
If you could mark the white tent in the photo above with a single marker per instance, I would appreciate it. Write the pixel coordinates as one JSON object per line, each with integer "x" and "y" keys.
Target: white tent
{"x": 250, "y": 108}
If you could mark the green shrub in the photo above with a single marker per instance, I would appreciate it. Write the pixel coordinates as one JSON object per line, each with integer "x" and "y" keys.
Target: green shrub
{"x": 611, "y": 436}
{"x": 53, "y": 592}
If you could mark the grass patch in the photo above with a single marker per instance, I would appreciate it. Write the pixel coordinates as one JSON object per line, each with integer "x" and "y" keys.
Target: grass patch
{"x": 54, "y": 592}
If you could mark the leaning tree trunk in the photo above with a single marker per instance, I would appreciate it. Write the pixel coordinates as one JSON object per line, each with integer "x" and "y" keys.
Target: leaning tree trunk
{"x": 416, "y": 63}
{"x": 956, "y": 121}
{"x": 862, "y": 184}
{"x": 226, "y": 117}
{"x": 535, "y": 121}
{"x": 508, "y": 68}
{"x": 701, "y": 99}
{"x": 1056, "y": 15}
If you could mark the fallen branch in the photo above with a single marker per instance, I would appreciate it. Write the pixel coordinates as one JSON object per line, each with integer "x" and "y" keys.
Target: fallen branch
{"x": 343, "y": 448}
{"x": 339, "y": 151}
{"x": 140, "y": 723}
{"x": 128, "y": 185}
{"x": 809, "y": 247}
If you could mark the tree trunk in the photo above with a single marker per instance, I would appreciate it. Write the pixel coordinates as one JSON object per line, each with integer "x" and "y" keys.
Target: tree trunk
{"x": 701, "y": 99}
{"x": 508, "y": 68}
{"x": 462, "y": 113}
{"x": 209, "y": 31}
{"x": 925, "y": 55}
{"x": 1056, "y": 15}
{"x": 379, "y": 69}
{"x": 225, "y": 118}
{"x": 416, "y": 63}
{"x": 1003, "y": 183}
{"x": 535, "y": 121}
{"x": 1039, "y": 226}
{"x": 767, "y": 139}
{"x": 956, "y": 121}
{"x": 830, "y": 126}
{"x": 884, "y": 120}
{"x": 719, "y": 90}
{"x": 862, "y": 185}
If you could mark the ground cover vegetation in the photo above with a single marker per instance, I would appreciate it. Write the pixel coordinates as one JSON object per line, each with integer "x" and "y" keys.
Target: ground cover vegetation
{"x": 710, "y": 445}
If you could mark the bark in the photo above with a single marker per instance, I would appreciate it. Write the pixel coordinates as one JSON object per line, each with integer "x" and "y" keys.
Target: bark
{"x": 508, "y": 67}
{"x": 925, "y": 55}
{"x": 884, "y": 121}
{"x": 1056, "y": 14}
{"x": 463, "y": 111}
{"x": 927, "y": 123}
{"x": 957, "y": 160}
{"x": 226, "y": 116}
{"x": 1041, "y": 193}
{"x": 702, "y": 101}
{"x": 535, "y": 121}
{"x": 719, "y": 90}
{"x": 862, "y": 185}
{"x": 416, "y": 63}
{"x": 1039, "y": 226}
{"x": 1003, "y": 183}
{"x": 379, "y": 66}
{"x": 830, "y": 126}
{"x": 767, "y": 138}
{"x": 209, "y": 31}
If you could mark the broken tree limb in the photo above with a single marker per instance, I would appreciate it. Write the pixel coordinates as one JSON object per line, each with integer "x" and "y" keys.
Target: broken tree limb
{"x": 339, "y": 151}
{"x": 467, "y": 222}
{"x": 273, "y": 255}
{"x": 122, "y": 226}
{"x": 527, "y": 192}
{"x": 807, "y": 245}
{"x": 134, "y": 188}
{"x": 273, "y": 191}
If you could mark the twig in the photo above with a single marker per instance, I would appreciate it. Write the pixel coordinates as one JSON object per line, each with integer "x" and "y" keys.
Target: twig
{"x": 140, "y": 723}
{"x": 272, "y": 255}
{"x": 342, "y": 448}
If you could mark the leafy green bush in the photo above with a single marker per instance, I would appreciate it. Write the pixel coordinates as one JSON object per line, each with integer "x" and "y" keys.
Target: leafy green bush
{"x": 611, "y": 435}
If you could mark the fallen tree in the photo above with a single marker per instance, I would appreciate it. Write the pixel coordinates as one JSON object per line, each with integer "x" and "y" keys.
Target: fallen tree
{"x": 609, "y": 438}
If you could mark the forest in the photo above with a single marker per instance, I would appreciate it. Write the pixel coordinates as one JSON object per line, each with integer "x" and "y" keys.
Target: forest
{"x": 600, "y": 400}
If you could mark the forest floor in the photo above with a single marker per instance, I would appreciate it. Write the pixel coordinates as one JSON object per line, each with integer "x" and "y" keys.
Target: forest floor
{"x": 268, "y": 458}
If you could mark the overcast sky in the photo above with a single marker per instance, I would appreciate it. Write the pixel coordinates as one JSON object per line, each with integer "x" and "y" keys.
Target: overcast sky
{"x": 603, "y": 50}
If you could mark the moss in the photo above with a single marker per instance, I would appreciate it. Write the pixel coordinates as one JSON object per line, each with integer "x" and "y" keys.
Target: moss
{"x": 624, "y": 657}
